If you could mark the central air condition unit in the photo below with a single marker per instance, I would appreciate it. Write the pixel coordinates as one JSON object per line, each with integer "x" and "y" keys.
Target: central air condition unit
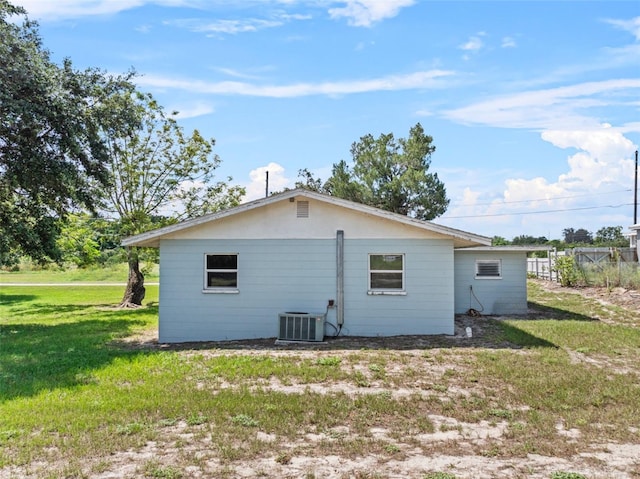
{"x": 296, "y": 326}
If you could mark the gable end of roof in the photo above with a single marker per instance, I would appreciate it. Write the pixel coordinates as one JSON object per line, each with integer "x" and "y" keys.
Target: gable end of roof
{"x": 461, "y": 238}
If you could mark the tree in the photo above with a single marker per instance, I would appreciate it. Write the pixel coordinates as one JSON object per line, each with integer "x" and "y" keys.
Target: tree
{"x": 392, "y": 175}
{"x": 499, "y": 241}
{"x": 524, "y": 240}
{"x": 307, "y": 181}
{"x": 51, "y": 152}
{"x": 77, "y": 242}
{"x": 580, "y": 235}
{"x": 157, "y": 170}
{"x": 611, "y": 236}
{"x": 88, "y": 240}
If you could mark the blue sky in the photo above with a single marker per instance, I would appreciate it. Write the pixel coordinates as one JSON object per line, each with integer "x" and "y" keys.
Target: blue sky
{"x": 534, "y": 107}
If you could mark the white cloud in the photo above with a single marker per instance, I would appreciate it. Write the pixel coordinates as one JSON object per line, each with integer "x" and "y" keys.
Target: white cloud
{"x": 76, "y": 8}
{"x": 143, "y": 28}
{"x": 606, "y": 143}
{"x": 364, "y": 13}
{"x": 632, "y": 26}
{"x": 424, "y": 112}
{"x": 194, "y": 110}
{"x": 63, "y": 9}
{"x": 508, "y": 42}
{"x": 278, "y": 181}
{"x": 603, "y": 159}
{"x": 594, "y": 191}
{"x": 252, "y": 74}
{"x": 411, "y": 81}
{"x": 225, "y": 26}
{"x": 559, "y": 108}
{"x": 474, "y": 43}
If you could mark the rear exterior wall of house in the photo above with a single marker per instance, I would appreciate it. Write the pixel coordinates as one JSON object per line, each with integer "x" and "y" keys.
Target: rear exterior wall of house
{"x": 300, "y": 274}
{"x": 491, "y": 282}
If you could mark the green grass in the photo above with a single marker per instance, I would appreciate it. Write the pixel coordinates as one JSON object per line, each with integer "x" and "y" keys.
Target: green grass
{"x": 110, "y": 274}
{"x": 54, "y": 337}
{"x": 73, "y": 380}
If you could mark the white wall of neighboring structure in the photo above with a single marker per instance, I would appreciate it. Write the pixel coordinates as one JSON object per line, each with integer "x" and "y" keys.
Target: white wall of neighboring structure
{"x": 633, "y": 239}
{"x": 504, "y": 295}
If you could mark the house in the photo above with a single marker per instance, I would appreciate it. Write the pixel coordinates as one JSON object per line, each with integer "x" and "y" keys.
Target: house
{"x": 299, "y": 256}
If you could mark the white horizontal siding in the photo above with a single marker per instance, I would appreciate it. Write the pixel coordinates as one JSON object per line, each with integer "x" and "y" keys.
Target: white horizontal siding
{"x": 507, "y": 295}
{"x": 300, "y": 275}
{"x": 273, "y": 276}
{"x": 427, "y": 307}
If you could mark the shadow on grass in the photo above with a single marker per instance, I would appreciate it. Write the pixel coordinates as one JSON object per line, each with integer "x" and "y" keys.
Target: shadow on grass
{"x": 539, "y": 310}
{"x": 48, "y": 309}
{"x": 16, "y": 298}
{"x": 37, "y": 357}
{"x": 523, "y": 339}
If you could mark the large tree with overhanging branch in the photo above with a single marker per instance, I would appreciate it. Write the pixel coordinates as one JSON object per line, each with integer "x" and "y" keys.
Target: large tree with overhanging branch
{"x": 52, "y": 151}
{"x": 157, "y": 170}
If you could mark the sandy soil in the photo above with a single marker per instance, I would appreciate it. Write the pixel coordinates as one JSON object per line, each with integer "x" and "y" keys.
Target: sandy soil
{"x": 452, "y": 447}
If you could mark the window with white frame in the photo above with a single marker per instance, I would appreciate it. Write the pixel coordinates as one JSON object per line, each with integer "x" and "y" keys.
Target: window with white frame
{"x": 488, "y": 269}
{"x": 221, "y": 271}
{"x": 386, "y": 272}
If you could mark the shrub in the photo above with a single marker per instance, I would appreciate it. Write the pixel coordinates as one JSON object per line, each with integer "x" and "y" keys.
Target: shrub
{"x": 565, "y": 266}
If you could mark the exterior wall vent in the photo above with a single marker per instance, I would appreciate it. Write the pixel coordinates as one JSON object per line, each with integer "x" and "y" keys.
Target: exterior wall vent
{"x": 297, "y": 326}
{"x": 302, "y": 209}
{"x": 489, "y": 268}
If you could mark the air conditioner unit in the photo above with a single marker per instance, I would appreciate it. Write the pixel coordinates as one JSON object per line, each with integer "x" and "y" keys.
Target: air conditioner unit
{"x": 297, "y": 326}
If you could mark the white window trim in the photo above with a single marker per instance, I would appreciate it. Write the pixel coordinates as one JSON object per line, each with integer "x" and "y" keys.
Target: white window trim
{"x": 219, "y": 289}
{"x": 385, "y": 291}
{"x": 498, "y": 261}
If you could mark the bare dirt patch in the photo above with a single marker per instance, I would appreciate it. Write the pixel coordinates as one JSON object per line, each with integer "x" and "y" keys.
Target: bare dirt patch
{"x": 627, "y": 299}
{"x": 462, "y": 448}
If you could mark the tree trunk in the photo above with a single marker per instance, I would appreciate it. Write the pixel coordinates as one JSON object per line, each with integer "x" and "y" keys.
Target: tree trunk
{"x": 135, "y": 291}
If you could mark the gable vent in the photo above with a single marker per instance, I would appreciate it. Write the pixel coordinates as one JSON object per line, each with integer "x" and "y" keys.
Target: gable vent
{"x": 302, "y": 209}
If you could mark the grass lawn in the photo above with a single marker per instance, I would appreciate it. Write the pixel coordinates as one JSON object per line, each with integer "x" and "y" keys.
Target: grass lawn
{"x": 79, "y": 397}
{"x": 111, "y": 274}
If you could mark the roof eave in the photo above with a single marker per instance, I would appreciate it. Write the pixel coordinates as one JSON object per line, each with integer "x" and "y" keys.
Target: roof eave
{"x": 507, "y": 248}
{"x": 461, "y": 238}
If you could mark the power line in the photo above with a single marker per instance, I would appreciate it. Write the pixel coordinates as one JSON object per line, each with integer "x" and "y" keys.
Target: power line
{"x": 542, "y": 199}
{"x": 537, "y": 212}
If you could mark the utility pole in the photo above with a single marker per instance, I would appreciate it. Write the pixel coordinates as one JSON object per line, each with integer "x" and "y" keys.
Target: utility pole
{"x": 266, "y": 188}
{"x": 635, "y": 194}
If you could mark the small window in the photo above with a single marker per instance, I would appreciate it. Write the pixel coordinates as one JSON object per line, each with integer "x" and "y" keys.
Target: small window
{"x": 489, "y": 269}
{"x": 386, "y": 272}
{"x": 221, "y": 271}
